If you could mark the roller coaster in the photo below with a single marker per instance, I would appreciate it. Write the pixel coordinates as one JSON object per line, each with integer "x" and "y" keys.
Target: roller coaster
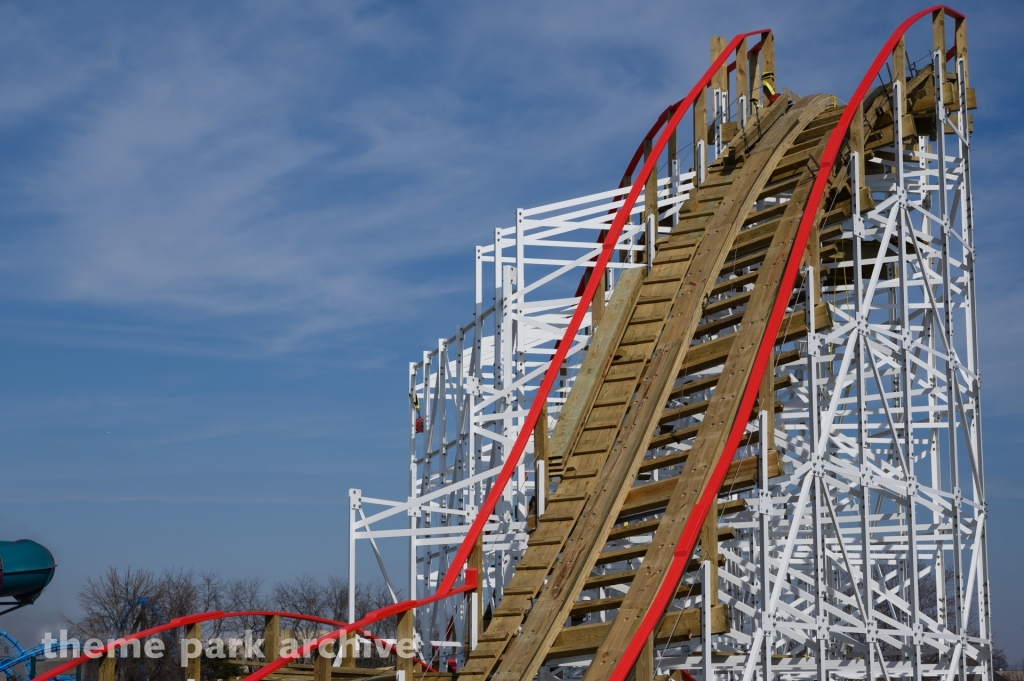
{"x": 720, "y": 423}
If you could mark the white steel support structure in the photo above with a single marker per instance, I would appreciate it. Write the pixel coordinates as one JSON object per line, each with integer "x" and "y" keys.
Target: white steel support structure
{"x": 866, "y": 558}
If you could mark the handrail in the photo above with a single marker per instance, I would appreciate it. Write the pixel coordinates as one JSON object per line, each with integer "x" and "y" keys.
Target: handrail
{"x": 203, "y": 617}
{"x": 446, "y": 587}
{"x": 695, "y": 521}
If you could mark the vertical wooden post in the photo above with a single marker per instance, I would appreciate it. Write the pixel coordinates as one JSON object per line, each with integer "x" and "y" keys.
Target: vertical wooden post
{"x": 540, "y": 448}
{"x": 673, "y": 147}
{"x": 271, "y": 638}
{"x": 700, "y": 133}
{"x": 961, "y": 47}
{"x": 768, "y": 64}
{"x": 597, "y": 304}
{"x": 720, "y": 79}
{"x": 404, "y": 633}
{"x": 754, "y": 64}
{"x": 767, "y": 399}
{"x": 650, "y": 194}
{"x": 857, "y": 140}
{"x": 107, "y": 664}
{"x": 195, "y": 633}
{"x": 476, "y": 561}
{"x": 742, "y": 81}
{"x": 899, "y": 64}
{"x": 939, "y": 34}
{"x": 627, "y": 181}
{"x": 644, "y": 666}
{"x": 322, "y": 663}
{"x": 349, "y": 650}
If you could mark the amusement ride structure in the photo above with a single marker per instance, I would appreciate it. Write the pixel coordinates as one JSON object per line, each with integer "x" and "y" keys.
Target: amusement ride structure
{"x": 721, "y": 421}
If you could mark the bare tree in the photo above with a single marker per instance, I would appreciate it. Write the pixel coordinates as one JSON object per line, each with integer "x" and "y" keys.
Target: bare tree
{"x": 118, "y": 603}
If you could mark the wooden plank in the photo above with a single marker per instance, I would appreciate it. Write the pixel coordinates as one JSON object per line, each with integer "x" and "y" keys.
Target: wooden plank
{"x": 715, "y": 352}
{"x": 654, "y": 495}
{"x": 710, "y": 441}
{"x": 675, "y": 626}
{"x": 602, "y": 347}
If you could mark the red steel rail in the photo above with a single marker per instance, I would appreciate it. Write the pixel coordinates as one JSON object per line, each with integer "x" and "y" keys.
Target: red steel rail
{"x": 691, "y": 528}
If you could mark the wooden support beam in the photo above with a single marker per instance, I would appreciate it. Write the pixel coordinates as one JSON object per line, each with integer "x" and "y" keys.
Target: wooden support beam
{"x": 349, "y": 650}
{"x": 899, "y": 65}
{"x": 476, "y": 562}
{"x": 719, "y": 81}
{"x": 700, "y": 132}
{"x": 673, "y": 148}
{"x": 106, "y": 671}
{"x": 540, "y": 449}
{"x": 404, "y": 632}
{"x": 597, "y": 305}
{"x": 714, "y": 352}
{"x": 742, "y": 78}
{"x": 743, "y": 473}
{"x": 271, "y": 638}
{"x": 939, "y": 34}
{"x": 675, "y": 626}
{"x": 650, "y": 196}
{"x": 322, "y": 663}
{"x": 768, "y": 65}
{"x": 194, "y": 633}
{"x": 961, "y": 48}
{"x": 857, "y": 132}
{"x": 645, "y": 663}
{"x": 754, "y": 66}
{"x": 709, "y": 549}
{"x": 767, "y": 397}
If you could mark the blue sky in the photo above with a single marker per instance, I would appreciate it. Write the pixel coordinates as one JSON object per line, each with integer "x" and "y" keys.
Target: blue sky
{"x": 226, "y": 229}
